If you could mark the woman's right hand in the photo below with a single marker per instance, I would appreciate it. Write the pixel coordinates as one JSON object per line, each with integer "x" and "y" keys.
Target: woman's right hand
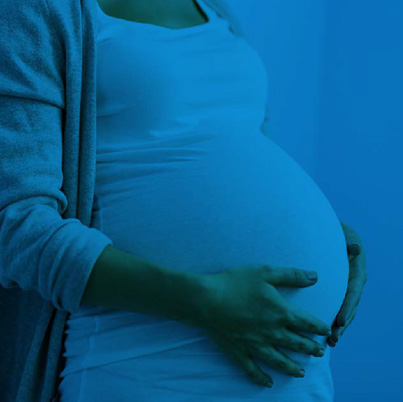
{"x": 244, "y": 314}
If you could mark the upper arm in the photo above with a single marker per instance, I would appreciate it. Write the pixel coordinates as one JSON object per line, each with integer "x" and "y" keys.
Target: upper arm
{"x": 39, "y": 250}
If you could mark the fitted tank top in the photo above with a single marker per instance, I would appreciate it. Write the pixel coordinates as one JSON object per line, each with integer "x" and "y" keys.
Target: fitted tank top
{"x": 186, "y": 179}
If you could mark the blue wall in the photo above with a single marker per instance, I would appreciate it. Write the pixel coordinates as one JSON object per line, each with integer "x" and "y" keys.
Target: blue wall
{"x": 336, "y": 92}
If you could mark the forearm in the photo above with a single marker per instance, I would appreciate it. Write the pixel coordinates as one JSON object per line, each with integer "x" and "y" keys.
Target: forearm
{"x": 121, "y": 281}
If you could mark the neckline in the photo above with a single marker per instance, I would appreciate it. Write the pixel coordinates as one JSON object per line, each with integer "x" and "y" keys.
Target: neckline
{"x": 152, "y": 27}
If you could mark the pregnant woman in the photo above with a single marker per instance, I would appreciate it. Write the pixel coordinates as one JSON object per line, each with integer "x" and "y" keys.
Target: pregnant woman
{"x": 186, "y": 179}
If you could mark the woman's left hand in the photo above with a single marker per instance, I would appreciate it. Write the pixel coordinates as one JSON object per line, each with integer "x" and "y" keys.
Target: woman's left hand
{"x": 356, "y": 281}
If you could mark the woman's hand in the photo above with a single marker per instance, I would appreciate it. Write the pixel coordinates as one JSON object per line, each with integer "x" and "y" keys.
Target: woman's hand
{"x": 356, "y": 281}
{"x": 245, "y": 315}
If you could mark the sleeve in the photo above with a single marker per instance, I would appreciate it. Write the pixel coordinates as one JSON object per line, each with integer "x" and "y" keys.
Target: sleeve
{"x": 39, "y": 250}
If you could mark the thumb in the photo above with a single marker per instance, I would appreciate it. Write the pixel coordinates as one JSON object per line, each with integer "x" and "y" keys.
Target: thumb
{"x": 292, "y": 277}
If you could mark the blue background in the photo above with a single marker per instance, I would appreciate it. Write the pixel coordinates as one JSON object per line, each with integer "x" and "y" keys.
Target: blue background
{"x": 336, "y": 93}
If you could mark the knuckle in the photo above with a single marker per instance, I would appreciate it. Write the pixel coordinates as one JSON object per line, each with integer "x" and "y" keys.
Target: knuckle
{"x": 250, "y": 368}
{"x": 281, "y": 364}
{"x": 288, "y": 318}
{"x": 301, "y": 346}
{"x": 250, "y": 373}
{"x": 267, "y": 353}
{"x": 297, "y": 275}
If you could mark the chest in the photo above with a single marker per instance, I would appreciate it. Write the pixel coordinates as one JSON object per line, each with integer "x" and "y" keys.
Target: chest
{"x": 175, "y": 14}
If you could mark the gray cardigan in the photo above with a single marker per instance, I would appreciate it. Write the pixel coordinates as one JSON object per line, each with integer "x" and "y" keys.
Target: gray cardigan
{"x": 47, "y": 176}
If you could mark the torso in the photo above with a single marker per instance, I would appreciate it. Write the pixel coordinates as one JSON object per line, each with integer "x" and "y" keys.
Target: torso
{"x": 175, "y": 14}
{"x": 186, "y": 180}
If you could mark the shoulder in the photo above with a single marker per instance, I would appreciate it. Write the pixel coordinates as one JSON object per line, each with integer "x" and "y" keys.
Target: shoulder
{"x": 32, "y": 56}
{"x": 26, "y": 27}
{"x": 18, "y": 12}
{"x": 38, "y": 25}
{"x": 30, "y": 20}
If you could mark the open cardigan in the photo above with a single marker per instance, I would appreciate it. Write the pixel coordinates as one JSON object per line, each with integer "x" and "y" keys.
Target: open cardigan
{"x": 47, "y": 176}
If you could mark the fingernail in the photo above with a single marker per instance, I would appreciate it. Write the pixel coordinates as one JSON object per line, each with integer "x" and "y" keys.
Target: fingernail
{"x": 312, "y": 276}
{"x": 301, "y": 372}
{"x": 269, "y": 384}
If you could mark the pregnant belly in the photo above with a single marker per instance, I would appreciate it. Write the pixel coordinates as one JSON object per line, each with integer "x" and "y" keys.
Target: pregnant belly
{"x": 203, "y": 207}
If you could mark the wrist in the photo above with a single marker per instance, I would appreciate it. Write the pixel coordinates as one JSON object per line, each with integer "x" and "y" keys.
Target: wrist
{"x": 196, "y": 298}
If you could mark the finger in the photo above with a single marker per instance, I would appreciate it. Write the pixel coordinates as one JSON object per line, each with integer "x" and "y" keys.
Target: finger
{"x": 357, "y": 274}
{"x": 332, "y": 340}
{"x": 291, "y": 277}
{"x": 356, "y": 268}
{"x": 242, "y": 359}
{"x": 351, "y": 300}
{"x": 351, "y": 257}
{"x": 353, "y": 248}
{"x": 278, "y": 360}
{"x": 349, "y": 321}
{"x": 298, "y": 343}
{"x": 339, "y": 331}
{"x": 304, "y": 321}
{"x": 355, "y": 287}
